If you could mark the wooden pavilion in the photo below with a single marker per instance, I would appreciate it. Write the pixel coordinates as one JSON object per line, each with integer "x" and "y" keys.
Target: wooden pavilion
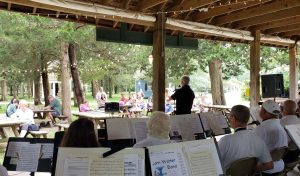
{"x": 256, "y": 22}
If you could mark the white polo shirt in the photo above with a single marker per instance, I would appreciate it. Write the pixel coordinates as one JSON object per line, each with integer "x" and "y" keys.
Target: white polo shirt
{"x": 150, "y": 141}
{"x": 275, "y": 137}
{"x": 240, "y": 145}
{"x": 289, "y": 120}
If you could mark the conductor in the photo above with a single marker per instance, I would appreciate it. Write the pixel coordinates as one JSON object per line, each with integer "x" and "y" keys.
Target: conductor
{"x": 184, "y": 97}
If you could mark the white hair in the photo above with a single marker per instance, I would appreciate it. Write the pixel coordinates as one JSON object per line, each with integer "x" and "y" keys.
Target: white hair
{"x": 23, "y": 102}
{"x": 159, "y": 125}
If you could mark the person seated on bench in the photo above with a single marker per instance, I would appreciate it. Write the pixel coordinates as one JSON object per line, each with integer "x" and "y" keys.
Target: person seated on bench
{"x": 84, "y": 106}
{"x": 54, "y": 105}
{"x": 81, "y": 133}
{"x": 159, "y": 127}
{"x": 25, "y": 114}
{"x": 243, "y": 143}
{"x": 12, "y": 107}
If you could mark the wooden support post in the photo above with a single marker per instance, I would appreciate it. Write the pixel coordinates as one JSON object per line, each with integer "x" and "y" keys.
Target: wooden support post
{"x": 158, "y": 81}
{"x": 254, "y": 69}
{"x": 293, "y": 73}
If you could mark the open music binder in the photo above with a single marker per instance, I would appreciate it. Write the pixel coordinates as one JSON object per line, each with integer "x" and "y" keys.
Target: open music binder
{"x": 294, "y": 133}
{"x": 191, "y": 158}
{"x": 90, "y": 162}
{"x": 29, "y": 154}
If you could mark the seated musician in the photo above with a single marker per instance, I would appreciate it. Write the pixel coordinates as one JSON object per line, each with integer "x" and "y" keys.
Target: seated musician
{"x": 159, "y": 126}
{"x": 289, "y": 118}
{"x": 271, "y": 131}
{"x": 243, "y": 143}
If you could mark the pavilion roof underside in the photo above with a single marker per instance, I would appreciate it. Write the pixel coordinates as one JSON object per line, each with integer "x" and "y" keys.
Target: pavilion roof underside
{"x": 229, "y": 20}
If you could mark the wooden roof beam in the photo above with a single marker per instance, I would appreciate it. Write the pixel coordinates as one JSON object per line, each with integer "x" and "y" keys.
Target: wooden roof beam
{"x": 291, "y": 33}
{"x": 216, "y": 11}
{"x": 106, "y": 1}
{"x": 192, "y": 4}
{"x": 279, "y": 23}
{"x": 146, "y": 28}
{"x": 255, "y": 12}
{"x": 272, "y": 17}
{"x": 283, "y": 29}
{"x": 146, "y": 4}
{"x": 115, "y": 24}
{"x": 34, "y": 10}
{"x": 125, "y": 4}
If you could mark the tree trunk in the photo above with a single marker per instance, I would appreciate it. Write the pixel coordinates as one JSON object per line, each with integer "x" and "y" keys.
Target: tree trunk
{"x": 4, "y": 88}
{"x": 65, "y": 78}
{"x": 22, "y": 87}
{"x": 77, "y": 87}
{"x": 110, "y": 87}
{"x": 45, "y": 80}
{"x": 37, "y": 88}
{"x": 215, "y": 73}
{"x": 14, "y": 90}
{"x": 30, "y": 89}
{"x": 95, "y": 88}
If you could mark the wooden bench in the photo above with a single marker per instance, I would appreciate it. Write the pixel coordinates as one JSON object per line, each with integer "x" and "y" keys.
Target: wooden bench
{"x": 62, "y": 117}
{"x": 38, "y": 134}
{"x": 63, "y": 126}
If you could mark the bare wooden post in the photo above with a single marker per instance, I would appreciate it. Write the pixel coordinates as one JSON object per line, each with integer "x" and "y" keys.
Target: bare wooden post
{"x": 65, "y": 80}
{"x": 254, "y": 69}
{"x": 159, "y": 63}
{"x": 293, "y": 72}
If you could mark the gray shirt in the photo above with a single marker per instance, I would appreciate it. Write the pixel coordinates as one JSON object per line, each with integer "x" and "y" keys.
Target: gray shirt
{"x": 240, "y": 145}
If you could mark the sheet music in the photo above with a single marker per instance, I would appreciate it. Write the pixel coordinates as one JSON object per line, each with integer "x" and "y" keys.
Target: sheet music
{"x": 168, "y": 163}
{"x": 254, "y": 111}
{"x": 47, "y": 150}
{"x": 204, "y": 119}
{"x": 76, "y": 167}
{"x": 141, "y": 166}
{"x": 201, "y": 163}
{"x": 140, "y": 131}
{"x": 106, "y": 167}
{"x": 294, "y": 133}
{"x": 118, "y": 129}
{"x": 29, "y": 157}
{"x": 14, "y": 148}
{"x": 221, "y": 120}
{"x": 131, "y": 165}
{"x": 186, "y": 129}
{"x": 196, "y": 125}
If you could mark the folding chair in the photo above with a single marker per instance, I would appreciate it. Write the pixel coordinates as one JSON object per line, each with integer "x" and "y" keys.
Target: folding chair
{"x": 277, "y": 154}
{"x": 242, "y": 167}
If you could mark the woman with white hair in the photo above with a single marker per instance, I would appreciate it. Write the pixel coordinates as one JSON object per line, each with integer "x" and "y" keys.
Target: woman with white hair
{"x": 25, "y": 114}
{"x": 159, "y": 126}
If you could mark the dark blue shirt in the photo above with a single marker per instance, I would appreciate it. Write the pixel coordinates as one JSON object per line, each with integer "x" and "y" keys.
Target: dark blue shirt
{"x": 184, "y": 99}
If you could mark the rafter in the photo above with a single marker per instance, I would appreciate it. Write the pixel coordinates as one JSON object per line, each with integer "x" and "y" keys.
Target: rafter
{"x": 106, "y": 1}
{"x": 34, "y": 10}
{"x": 146, "y": 4}
{"x": 283, "y": 29}
{"x": 115, "y": 23}
{"x": 255, "y": 12}
{"x": 146, "y": 28}
{"x": 192, "y": 4}
{"x": 97, "y": 21}
{"x": 272, "y": 17}
{"x": 279, "y": 23}
{"x": 290, "y": 33}
{"x": 216, "y": 11}
{"x": 125, "y": 4}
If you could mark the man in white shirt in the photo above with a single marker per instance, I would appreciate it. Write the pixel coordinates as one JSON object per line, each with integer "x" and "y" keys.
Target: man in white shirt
{"x": 289, "y": 118}
{"x": 271, "y": 131}
{"x": 243, "y": 143}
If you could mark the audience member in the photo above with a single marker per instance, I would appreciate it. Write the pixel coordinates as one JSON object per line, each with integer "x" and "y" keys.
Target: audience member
{"x": 123, "y": 99}
{"x": 184, "y": 97}
{"x": 159, "y": 126}
{"x": 289, "y": 118}
{"x": 271, "y": 131}
{"x": 84, "y": 107}
{"x": 25, "y": 114}
{"x": 54, "y": 105}
{"x": 101, "y": 98}
{"x": 81, "y": 133}
{"x": 12, "y": 107}
{"x": 243, "y": 143}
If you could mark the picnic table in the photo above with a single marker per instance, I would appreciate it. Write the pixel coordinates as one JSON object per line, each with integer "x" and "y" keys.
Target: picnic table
{"x": 223, "y": 108}
{"x": 41, "y": 113}
{"x": 96, "y": 116}
{"x": 7, "y": 125}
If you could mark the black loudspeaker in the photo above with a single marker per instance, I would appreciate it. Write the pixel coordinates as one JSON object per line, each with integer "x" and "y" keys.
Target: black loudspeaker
{"x": 272, "y": 85}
